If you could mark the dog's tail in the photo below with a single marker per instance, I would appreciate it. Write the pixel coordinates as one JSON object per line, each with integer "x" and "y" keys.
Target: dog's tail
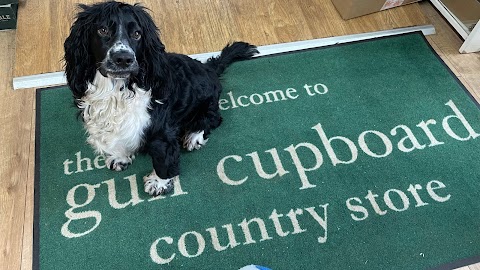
{"x": 236, "y": 51}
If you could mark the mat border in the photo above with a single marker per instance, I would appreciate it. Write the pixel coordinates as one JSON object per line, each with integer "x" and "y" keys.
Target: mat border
{"x": 36, "y": 185}
{"x": 36, "y": 218}
{"x": 36, "y": 189}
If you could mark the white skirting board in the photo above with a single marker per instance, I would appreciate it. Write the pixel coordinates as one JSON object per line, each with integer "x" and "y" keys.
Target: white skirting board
{"x": 472, "y": 42}
{"x": 58, "y": 78}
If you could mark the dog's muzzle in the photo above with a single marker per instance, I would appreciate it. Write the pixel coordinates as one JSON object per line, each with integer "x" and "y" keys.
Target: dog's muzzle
{"x": 119, "y": 64}
{"x": 122, "y": 59}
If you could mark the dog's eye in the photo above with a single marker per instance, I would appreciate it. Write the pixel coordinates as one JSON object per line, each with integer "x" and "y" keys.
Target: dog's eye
{"x": 103, "y": 32}
{"x": 136, "y": 35}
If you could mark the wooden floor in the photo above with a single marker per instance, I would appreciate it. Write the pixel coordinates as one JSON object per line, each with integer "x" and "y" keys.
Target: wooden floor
{"x": 188, "y": 26}
{"x": 197, "y": 26}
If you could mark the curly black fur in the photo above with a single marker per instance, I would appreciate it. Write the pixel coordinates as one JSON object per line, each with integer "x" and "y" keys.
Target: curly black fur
{"x": 185, "y": 92}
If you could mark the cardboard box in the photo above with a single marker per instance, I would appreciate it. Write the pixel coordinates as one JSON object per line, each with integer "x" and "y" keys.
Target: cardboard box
{"x": 8, "y": 15}
{"x": 354, "y": 8}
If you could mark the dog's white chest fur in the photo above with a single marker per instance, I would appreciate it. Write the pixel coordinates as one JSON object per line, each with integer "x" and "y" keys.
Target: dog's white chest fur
{"x": 115, "y": 117}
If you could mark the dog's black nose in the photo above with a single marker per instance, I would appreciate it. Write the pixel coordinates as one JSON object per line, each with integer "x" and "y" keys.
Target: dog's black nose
{"x": 122, "y": 59}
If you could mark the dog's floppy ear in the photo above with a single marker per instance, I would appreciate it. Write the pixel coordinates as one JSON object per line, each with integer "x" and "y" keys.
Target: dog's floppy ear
{"x": 157, "y": 76}
{"x": 150, "y": 30}
{"x": 79, "y": 66}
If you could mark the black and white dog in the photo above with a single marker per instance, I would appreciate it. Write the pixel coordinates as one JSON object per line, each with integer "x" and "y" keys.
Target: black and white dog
{"x": 135, "y": 97}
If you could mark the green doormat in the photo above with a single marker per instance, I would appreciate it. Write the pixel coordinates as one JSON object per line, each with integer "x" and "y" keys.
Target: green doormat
{"x": 356, "y": 156}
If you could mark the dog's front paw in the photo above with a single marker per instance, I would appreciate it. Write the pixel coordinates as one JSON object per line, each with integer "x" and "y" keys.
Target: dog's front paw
{"x": 194, "y": 141}
{"x": 155, "y": 186}
{"x": 118, "y": 164}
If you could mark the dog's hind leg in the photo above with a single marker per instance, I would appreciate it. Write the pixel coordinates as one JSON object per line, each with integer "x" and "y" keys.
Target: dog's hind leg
{"x": 194, "y": 140}
{"x": 165, "y": 158}
{"x": 200, "y": 127}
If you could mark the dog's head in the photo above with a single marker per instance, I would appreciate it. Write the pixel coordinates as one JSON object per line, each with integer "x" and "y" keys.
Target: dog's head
{"x": 116, "y": 43}
{"x": 117, "y": 39}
